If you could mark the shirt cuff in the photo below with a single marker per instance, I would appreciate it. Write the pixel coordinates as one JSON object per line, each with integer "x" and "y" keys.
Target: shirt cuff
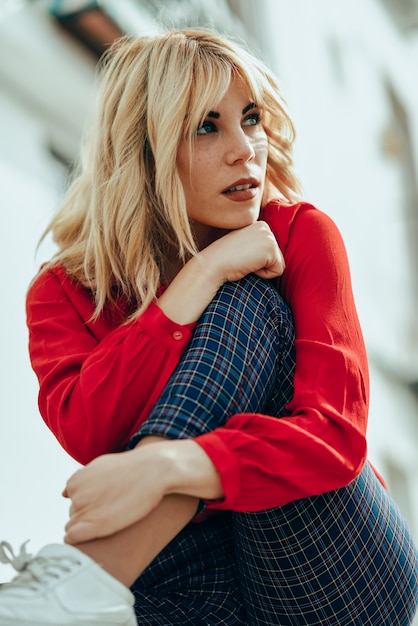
{"x": 163, "y": 329}
{"x": 226, "y": 464}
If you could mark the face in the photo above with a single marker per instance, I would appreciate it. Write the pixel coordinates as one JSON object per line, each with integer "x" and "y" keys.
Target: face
{"x": 223, "y": 180}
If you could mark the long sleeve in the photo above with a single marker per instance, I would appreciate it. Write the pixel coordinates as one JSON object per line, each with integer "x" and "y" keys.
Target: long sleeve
{"x": 98, "y": 379}
{"x": 319, "y": 445}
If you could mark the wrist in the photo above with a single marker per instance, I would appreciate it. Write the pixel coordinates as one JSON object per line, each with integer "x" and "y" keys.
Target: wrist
{"x": 149, "y": 457}
{"x": 190, "y": 292}
{"x": 211, "y": 267}
{"x": 183, "y": 467}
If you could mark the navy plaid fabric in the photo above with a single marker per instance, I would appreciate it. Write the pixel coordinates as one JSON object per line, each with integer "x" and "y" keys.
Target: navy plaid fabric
{"x": 343, "y": 558}
{"x": 193, "y": 581}
{"x": 240, "y": 359}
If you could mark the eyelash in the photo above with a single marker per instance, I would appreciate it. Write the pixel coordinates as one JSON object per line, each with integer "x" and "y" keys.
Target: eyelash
{"x": 255, "y": 118}
{"x": 206, "y": 125}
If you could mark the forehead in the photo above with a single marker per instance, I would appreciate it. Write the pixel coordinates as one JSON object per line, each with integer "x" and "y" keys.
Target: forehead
{"x": 213, "y": 96}
{"x": 236, "y": 101}
{"x": 237, "y": 94}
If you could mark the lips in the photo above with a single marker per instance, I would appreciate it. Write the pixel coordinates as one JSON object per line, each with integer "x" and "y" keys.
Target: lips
{"x": 238, "y": 188}
{"x": 244, "y": 190}
{"x": 241, "y": 185}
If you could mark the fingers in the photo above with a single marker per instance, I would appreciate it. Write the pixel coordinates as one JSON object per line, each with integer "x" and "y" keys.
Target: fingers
{"x": 78, "y": 529}
{"x": 274, "y": 267}
{"x": 103, "y": 499}
{"x": 80, "y": 532}
{"x": 269, "y": 273}
{"x": 270, "y": 254}
{"x": 71, "y": 484}
{"x": 252, "y": 249}
{"x": 88, "y": 523}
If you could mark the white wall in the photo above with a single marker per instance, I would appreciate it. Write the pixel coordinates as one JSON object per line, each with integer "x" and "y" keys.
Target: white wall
{"x": 39, "y": 107}
{"x": 47, "y": 92}
{"x": 33, "y": 466}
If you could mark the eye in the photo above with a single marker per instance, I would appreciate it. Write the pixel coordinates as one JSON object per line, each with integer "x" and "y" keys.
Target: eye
{"x": 253, "y": 119}
{"x": 206, "y": 128}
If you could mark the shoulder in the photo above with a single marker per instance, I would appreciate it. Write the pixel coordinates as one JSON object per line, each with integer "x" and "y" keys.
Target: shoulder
{"x": 49, "y": 278}
{"x": 300, "y": 222}
{"x": 53, "y": 289}
{"x": 54, "y": 292}
{"x": 52, "y": 280}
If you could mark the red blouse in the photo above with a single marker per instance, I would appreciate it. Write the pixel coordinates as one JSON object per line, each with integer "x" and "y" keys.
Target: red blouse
{"x": 99, "y": 379}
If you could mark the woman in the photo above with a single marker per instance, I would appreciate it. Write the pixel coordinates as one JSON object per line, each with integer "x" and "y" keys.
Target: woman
{"x": 157, "y": 326}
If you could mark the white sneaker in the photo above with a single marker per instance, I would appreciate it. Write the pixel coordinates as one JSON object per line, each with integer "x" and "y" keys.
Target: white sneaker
{"x": 61, "y": 586}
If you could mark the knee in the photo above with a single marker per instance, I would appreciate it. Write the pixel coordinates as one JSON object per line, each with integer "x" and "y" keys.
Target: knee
{"x": 248, "y": 290}
{"x": 259, "y": 300}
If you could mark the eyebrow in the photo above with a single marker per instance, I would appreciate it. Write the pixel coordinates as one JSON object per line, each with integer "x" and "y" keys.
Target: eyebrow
{"x": 216, "y": 115}
{"x": 250, "y": 106}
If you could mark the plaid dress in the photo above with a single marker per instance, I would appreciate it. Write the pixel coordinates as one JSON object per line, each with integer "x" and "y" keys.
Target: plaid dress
{"x": 342, "y": 558}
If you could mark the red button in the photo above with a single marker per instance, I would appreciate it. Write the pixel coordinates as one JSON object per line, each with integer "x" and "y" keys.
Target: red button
{"x": 177, "y": 335}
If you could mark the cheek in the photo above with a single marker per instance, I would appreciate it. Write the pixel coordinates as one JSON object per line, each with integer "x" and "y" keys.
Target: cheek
{"x": 195, "y": 181}
{"x": 201, "y": 173}
{"x": 183, "y": 164}
{"x": 260, "y": 145}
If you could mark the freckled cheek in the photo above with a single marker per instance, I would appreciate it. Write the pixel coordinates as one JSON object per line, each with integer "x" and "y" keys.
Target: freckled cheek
{"x": 202, "y": 172}
{"x": 260, "y": 146}
{"x": 197, "y": 183}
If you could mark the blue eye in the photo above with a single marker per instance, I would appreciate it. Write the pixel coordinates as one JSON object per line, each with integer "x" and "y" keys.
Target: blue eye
{"x": 252, "y": 120}
{"x": 206, "y": 128}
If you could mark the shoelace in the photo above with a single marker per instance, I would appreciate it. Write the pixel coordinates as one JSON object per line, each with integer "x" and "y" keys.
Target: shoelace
{"x": 7, "y": 556}
{"x": 33, "y": 571}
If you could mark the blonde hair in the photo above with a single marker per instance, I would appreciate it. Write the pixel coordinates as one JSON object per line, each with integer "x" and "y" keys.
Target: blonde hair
{"x": 125, "y": 209}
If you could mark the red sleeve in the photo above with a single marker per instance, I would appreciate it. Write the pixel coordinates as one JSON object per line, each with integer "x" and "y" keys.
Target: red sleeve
{"x": 319, "y": 445}
{"x": 97, "y": 382}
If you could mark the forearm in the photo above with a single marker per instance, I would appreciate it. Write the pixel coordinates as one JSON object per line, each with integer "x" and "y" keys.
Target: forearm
{"x": 126, "y": 553}
{"x": 190, "y": 292}
{"x": 184, "y": 468}
{"x": 116, "y": 490}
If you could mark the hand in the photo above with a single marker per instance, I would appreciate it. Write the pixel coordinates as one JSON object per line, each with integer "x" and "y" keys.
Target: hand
{"x": 252, "y": 249}
{"x": 112, "y": 492}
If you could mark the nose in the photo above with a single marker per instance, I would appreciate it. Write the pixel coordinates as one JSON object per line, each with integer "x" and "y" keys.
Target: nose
{"x": 240, "y": 148}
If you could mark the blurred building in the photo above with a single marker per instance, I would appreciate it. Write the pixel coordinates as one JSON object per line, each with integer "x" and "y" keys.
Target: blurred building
{"x": 347, "y": 69}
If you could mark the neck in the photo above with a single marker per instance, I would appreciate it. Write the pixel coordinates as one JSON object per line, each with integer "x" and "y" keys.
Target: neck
{"x": 173, "y": 264}
{"x": 171, "y": 267}
{"x": 207, "y": 236}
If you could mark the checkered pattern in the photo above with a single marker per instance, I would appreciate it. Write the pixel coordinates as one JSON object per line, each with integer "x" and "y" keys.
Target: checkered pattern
{"x": 342, "y": 558}
{"x": 193, "y": 581}
{"x": 240, "y": 359}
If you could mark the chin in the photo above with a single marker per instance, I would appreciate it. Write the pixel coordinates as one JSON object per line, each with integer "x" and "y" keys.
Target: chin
{"x": 248, "y": 220}
{"x": 237, "y": 226}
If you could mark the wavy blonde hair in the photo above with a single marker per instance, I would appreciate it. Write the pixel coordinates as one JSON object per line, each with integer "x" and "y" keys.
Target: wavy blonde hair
{"x": 125, "y": 208}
